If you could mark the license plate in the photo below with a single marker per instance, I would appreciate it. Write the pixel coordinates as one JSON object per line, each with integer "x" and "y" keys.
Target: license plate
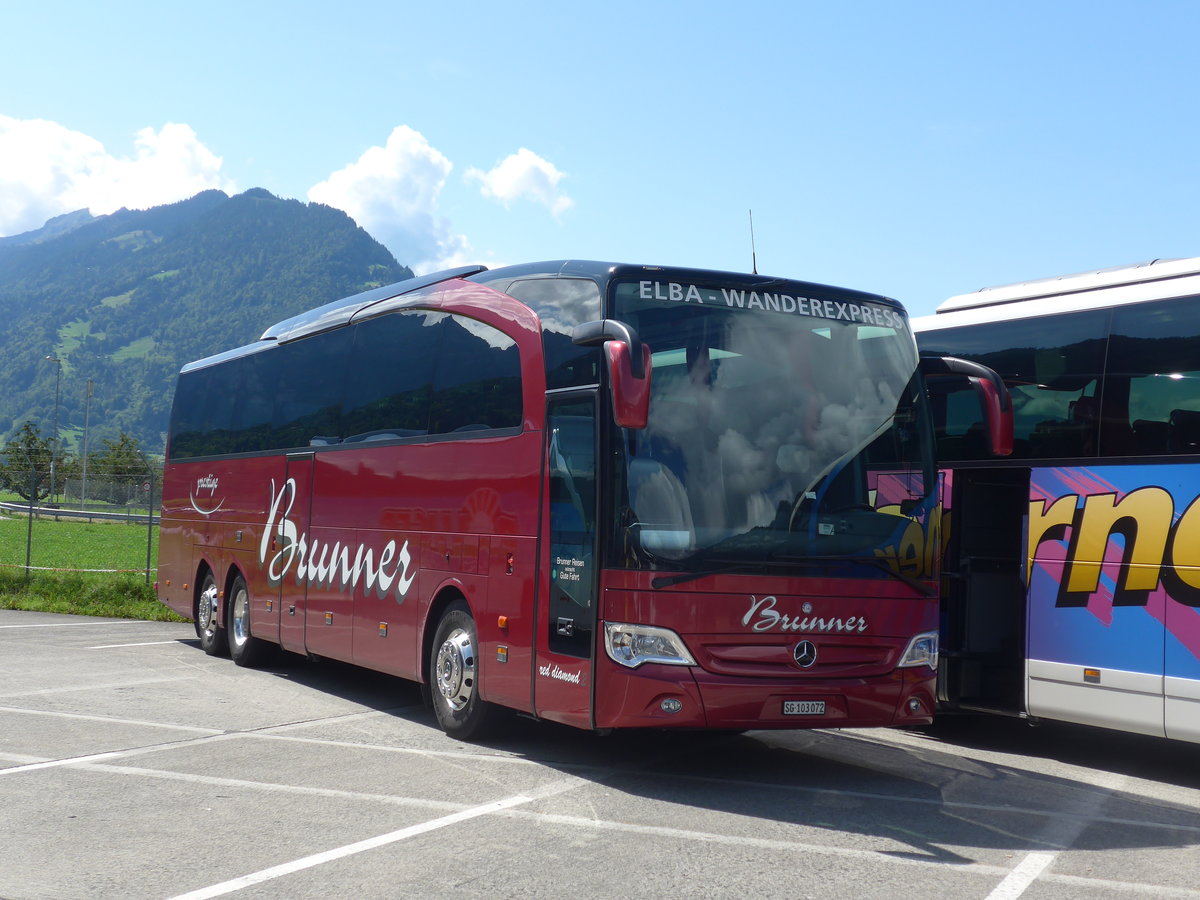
{"x": 804, "y": 707}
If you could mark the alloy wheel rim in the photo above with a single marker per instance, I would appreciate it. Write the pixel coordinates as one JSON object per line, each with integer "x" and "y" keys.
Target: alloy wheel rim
{"x": 455, "y": 669}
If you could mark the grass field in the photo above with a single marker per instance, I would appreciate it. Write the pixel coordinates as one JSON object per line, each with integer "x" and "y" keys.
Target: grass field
{"x": 116, "y": 596}
{"x": 96, "y": 569}
{"x": 77, "y": 546}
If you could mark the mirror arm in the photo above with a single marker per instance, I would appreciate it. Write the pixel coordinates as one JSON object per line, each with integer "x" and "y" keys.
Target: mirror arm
{"x": 933, "y": 364}
{"x": 601, "y": 331}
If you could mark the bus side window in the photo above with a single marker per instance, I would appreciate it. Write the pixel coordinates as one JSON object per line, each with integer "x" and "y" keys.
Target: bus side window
{"x": 308, "y": 387}
{"x": 561, "y": 304}
{"x": 477, "y": 379}
{"x": 1052, "y": 366}
{"x": 1154, "y": 363}
{"x": 390, "y": 379}
{"x": 200, "y": 419}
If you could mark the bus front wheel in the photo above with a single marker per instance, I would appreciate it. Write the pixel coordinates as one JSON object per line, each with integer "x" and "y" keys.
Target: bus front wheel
{"x": 454, "y": 676}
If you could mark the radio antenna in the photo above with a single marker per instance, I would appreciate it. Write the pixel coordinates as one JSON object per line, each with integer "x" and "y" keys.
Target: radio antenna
{"x": 753, "y": 252}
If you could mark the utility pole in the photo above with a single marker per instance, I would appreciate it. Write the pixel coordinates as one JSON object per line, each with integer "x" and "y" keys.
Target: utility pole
{"x": 54, "y": 448}
{"x": 87, "y": 413}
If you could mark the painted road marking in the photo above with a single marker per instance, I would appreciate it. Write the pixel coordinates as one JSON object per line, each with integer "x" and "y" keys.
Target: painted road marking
{"x": 307, "y": 862}
{"x": 75, "y": 624}
{"x": 1022, "y": 876}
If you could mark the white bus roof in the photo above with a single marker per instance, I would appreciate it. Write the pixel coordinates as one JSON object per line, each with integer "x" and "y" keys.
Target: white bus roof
{"x": 1158, "y": 279}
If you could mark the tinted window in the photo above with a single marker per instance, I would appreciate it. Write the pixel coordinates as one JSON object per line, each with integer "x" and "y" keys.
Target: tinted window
{"x": 561, "y": 304}
{"x": 402, "y": 375}
{"x": 251, "y": 423}
{"x": 307, "y": 377}
{"x": 1153, "y": 383}
{"x": 390, "y": 381}
{"x": 203, "y": 410}
{"x": 1052, "y": 366}
{"x": 478, "y": 379}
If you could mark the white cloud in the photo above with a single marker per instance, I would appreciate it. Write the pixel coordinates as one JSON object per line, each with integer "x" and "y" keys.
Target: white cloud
{"x": 392, "y": 191}
{"x": 526, "y": 175}
{"x": 47, "y": 169}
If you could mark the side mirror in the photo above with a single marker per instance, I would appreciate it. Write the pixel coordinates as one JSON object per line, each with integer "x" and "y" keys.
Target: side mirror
{"x": 628, "y": 368}
{"x": 630, "y": 393}
{"x": 992, "y": 393}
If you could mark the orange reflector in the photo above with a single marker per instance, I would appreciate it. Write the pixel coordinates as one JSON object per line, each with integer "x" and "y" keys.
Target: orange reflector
{"x": 383, "y": 629}
{"x": 502, "y": 654}
{"x": 502, "y": 621}
{"x": 1091, "y": 676}
{"x": 328, "y": 618}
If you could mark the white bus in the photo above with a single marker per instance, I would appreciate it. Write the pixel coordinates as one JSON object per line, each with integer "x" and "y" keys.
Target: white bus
{"x": 1072, "y": 581}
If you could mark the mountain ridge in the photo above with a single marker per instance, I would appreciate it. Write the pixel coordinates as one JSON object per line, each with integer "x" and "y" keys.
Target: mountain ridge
{"x": 125, "y": 299}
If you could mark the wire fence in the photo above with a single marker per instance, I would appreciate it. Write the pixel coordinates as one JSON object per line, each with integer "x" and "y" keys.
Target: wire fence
{"x": 100, "y": 527}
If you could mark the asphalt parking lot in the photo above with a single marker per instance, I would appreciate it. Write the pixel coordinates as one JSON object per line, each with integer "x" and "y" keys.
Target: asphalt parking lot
{"x": 134, "y": 766}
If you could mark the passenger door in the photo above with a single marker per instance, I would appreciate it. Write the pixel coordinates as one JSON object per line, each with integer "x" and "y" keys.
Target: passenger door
{"x": 982, "y": 655}
{"x": 566, "y": 618}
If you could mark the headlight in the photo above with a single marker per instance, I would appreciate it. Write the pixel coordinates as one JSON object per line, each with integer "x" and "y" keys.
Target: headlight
{"x": 632, "y": 645}
{"x": 922, "y": 650}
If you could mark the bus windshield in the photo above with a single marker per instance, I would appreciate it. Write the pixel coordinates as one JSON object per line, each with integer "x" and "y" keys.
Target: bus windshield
{"x": 784, "y": 428}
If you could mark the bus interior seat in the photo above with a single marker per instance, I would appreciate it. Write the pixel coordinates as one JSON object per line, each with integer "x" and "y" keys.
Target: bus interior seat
{"x": 1184, "y": 431}
{"x": 1083, "y": 411}
{"x": 975, "y": 443}
{"x": 1150, "y": 436}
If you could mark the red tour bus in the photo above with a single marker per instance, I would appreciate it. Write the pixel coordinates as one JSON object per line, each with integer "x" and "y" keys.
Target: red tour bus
{"x": 605, "y": 495}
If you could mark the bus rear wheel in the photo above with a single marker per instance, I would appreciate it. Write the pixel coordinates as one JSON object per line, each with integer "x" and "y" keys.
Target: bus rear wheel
{"x": 245, "y": 649}
{"x": 454, "y": 677}
{"x": 208, "y": 626}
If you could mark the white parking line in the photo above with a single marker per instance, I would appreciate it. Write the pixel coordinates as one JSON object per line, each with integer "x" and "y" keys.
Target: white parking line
{"x": 1060, "y": 831}
{"x": 142, "y": 644}
{"x": 109, "y": 720}
{"x": 307, "y": 862}
{"x": 75, "y": 624}
{"x": 1022, "y": 876}
{"x": 94, "y": 686}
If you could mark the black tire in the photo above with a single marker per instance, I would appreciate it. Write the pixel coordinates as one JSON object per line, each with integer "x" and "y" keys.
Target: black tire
{"x": 245, "y": 649}
{"x": 208, "y": 623}
{"x": 454, "y": 677}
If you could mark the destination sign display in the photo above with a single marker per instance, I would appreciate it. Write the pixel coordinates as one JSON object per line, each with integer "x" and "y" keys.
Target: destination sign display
{"x": 771, "y": 301}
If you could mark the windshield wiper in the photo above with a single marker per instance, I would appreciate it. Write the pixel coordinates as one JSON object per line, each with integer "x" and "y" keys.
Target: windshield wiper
{"x": 663, "y": 581}
{"x": 751, "y": 566}
{"x": 873, "y": 561}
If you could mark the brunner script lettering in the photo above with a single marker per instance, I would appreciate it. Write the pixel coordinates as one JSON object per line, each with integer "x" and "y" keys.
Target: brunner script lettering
{"x": 763, "y": 616}
{"x": 319, "y": 563}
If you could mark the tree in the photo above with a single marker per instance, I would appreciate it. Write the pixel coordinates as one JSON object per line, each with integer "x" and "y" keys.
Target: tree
{"x": 119, "y": 470}
{"x": 25, "y": 466}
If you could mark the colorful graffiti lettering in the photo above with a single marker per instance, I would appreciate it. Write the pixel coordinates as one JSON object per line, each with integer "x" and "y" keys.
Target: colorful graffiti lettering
{"x": 1123, "y": 544}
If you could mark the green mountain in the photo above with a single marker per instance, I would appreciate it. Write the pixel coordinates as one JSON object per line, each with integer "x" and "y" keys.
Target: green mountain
{"x": 124, "y": 300}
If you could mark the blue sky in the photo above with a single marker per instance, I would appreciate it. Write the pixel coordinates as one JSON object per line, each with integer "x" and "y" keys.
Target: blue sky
{"x": 918, "y": 150}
